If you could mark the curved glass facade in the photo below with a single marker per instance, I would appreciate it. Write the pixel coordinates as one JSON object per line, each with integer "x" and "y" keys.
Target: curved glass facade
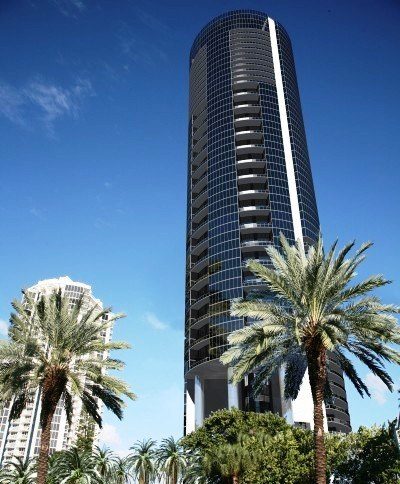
{"x": 249, "y": 179}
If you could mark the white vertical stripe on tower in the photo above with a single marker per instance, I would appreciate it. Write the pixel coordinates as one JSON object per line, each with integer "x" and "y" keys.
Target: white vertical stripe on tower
{"x": 287, "y": 147}
{"x": 301, "y": 409}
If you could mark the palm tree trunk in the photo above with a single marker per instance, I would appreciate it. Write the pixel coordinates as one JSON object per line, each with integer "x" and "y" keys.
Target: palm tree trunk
{"x": 317, "y": 374}
{"x": 53, "y": 388}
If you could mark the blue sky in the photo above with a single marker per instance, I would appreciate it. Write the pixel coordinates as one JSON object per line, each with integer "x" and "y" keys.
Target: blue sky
{"x": 93, "y": 114}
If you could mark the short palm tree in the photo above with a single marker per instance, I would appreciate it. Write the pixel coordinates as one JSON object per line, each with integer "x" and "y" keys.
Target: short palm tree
{"x": 104, "y": 461}
{"x": 74, "y": 467}
{"x": 171, "y": 460}
{"x": 120, "y": 472}
{"x": 52, "y": 350}
{"x": 18, "y": 472}
{"x": 315, "y": 311}
{"x": 229, "y": 461}
{"x": 143, "y": 461}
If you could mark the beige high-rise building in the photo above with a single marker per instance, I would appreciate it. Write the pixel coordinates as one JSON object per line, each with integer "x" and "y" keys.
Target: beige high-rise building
{"x": 20, "y": 437}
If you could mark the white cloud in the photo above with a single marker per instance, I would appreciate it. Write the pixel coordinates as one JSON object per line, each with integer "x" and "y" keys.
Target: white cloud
{"x": 43, "y": 101}
{"x": 3, "y": 327}
{"x": 36, "y": 212}
{"x": 110, "y": 436}
{"x": 70, "y": 8}
{"x": 154, "y": 322}
{"x": 379, "y": 391}
{"x": 11, "y": 103}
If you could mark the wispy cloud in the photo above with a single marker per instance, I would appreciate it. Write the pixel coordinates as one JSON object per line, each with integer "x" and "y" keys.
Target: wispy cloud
{"x": 3, "y": 328}
{"x": 152, "y": 22}
{"x": 11, "y": 103}
{"x": 153, "y": 321}
{"x": 43, "y": 101}
{"x": 37, "y": 213}
{"x": 379, "y": 391}
{"x": 110, "y": 436}
{"x": 138, "y": 50}
{"x": 70, "y": 8}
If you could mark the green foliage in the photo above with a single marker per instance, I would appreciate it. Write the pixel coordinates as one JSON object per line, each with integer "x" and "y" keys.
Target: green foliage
{"x": 53, "y": 347}
{"x": 171, "y": 460}
{"x": 315, "y": 307}
{"x": 272, "y": 450}
{"x": 368, "y": 455}
{"x": 18, "y": 472}
{"x": 86, "y": 433}
{"x": 143, "y": 461}
{"x": 255, "y": 448}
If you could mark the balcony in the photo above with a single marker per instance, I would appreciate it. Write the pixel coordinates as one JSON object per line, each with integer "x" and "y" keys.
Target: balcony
{"x": 200, "y": 213}
{"x": 251, "y": 245}
{"x": 244, "y": 96}
{"x": 199, "y": 133}
{"x": 255, "y": 227}
{"x": 245, "y": 85}
{"x": 198, "y": 158}
{"x": 199, "y": 120}
{"x": 200, "y": 198}
{"x": 199, "y": 230}
{"x": 252, "y": 178}
{"x": 254, "y": 210}
{"x": 200, "y": 301}
{"x": 198, "y": 185}
{"x": 201, "y": 321}
{"x": 200, "y": 283}
{"x": 247, "y": 122}
{"x": 249, "y": 109}
{"x": 199, "y": 171}
{"x": 200, "y": 246}
{"x": 253, "y": 194}
{"x": 253, "y": 281}
{"x": 195, "y": 363}
{"x": 199, "y": 264}
{"x": 250, "y": 163}
{"x": 200, "y": 143}
{"x": 249, "y": 135}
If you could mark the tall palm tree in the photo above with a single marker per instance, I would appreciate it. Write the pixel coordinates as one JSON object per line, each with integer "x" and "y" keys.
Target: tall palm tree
{"x": 171, "y": 460}
{"x": 18, "y": 472}
{"x": 315, "y": 311}
{"x": 143, "y": 461}
{"x": 52, "y": 350}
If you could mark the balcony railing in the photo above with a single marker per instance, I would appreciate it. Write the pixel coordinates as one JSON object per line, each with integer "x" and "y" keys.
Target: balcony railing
{"x": 255, "y": 225}
{"x": 253, "y": 207}
{"x": 198, "y": 261}
{"x": 251, "y": 192}
{"x": 199, "y": 195}
{"x": 258, "y": 243}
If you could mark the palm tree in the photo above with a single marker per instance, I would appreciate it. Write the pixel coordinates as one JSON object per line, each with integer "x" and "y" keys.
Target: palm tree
{"x": 52, "y": 350}
{"x": 171, "y": 460}
{"x": 104, "y": 461}
{"x": 18, "y": 472}
{"x": 315, "y": 312}
{"x": 195, "y": 472}
{"x": 143, "y": 461}
{"x": 228, "y": 460}
{"x": 73, "y": 466}
{"x": 120, "y": 472}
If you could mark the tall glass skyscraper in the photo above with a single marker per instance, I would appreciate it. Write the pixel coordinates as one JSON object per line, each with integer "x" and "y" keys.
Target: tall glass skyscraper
{"x": 249, "y": 179}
